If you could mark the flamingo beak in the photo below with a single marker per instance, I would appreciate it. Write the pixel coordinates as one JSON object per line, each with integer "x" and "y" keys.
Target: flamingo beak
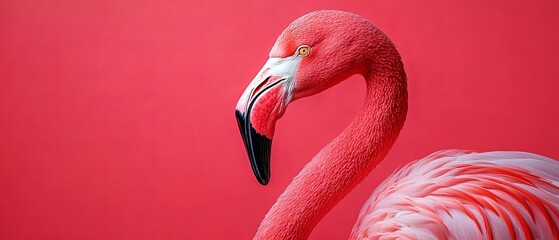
{"x": 261, "y": 104}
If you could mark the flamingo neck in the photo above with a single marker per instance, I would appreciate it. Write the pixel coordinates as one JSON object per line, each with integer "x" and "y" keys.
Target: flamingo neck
{"x": 345, "y": 161}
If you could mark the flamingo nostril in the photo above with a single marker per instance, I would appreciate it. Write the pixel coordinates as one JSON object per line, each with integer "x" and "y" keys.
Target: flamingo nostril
{"x": 262, "y": 84}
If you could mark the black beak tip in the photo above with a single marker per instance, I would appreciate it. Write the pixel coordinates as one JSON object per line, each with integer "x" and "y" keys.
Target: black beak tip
{"x": 263, "y": 180}
{"x": 258, "y": 148}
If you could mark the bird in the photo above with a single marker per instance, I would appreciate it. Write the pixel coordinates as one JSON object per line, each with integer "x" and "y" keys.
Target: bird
{"x": 450, "y": 194}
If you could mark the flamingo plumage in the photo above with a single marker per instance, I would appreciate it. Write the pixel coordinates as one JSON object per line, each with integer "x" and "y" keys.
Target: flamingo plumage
{"x": 449, "y": 194}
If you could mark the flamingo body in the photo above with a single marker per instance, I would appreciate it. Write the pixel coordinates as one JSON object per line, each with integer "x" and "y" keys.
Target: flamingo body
{"x": 455, "y": 194}
{"x": 447, "y": 195}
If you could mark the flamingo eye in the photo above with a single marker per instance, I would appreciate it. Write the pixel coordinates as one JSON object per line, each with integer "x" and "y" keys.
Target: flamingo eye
{"x": 303, "y": 51}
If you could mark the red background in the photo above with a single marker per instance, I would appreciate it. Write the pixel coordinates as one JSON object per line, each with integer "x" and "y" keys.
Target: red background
{"x": 117, "y": 118}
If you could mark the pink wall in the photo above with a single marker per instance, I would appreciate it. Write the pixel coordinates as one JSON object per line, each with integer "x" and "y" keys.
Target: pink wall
{"x": 117, "y": 118}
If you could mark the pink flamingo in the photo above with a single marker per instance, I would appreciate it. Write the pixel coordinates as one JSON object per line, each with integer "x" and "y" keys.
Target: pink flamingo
{"x": 450, "y": 194}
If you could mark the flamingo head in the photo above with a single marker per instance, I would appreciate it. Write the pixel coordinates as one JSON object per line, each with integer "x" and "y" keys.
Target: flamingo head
{"x": 313, "y": 53}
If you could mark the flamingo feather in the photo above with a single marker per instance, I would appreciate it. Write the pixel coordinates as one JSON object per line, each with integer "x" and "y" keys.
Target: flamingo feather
{"x": 458, "y": 192}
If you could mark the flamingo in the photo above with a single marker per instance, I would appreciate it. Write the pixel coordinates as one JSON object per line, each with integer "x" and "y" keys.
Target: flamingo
{"x": 450, "y": 194}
